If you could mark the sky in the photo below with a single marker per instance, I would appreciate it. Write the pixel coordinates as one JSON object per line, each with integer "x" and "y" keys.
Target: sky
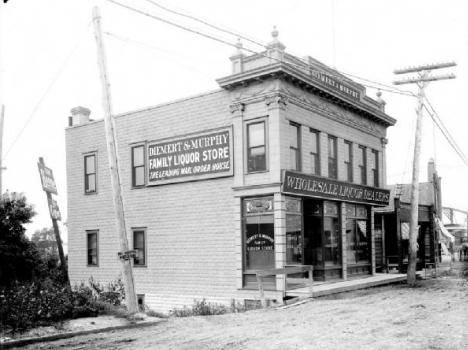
{"x": 48, "y": 65}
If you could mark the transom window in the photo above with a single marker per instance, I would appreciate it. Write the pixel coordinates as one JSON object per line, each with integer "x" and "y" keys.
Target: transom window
{"x": 256, "y": 147}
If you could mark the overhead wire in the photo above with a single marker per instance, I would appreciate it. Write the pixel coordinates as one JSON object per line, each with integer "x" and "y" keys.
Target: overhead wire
{"x": 135, "y": 42}
{"x": 392, "y": 88}
{"x": 204, "y": 22}
{"x": 44, "y": 95}
{"x": 209, "y": 36}
{"x": 445, "y": 132}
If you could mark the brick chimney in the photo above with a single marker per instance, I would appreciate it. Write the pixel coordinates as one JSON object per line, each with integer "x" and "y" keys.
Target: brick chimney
{"x": 80, "y": 115}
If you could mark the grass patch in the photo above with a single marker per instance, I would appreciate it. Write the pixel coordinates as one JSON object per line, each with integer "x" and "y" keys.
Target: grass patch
{"x": 204, "y": 308}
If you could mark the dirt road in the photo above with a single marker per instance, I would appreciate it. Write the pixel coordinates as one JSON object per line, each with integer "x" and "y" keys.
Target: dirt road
{"x": 432, "y": 316}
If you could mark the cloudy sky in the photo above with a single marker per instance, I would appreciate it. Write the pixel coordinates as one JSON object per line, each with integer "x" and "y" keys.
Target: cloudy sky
{"x": 48, "y": 65}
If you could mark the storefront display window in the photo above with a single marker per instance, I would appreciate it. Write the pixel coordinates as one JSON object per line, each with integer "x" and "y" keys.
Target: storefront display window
{"x": 357, "y": 234}
{"x": 331, "y": 234}
{"x": 293, "y": 231}
{"x": 259, "y": 237}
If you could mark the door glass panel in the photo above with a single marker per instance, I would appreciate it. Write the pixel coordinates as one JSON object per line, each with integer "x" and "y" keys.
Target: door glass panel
{"x": 293, "y": 239}
{"x": 332, "y": 241}
{"x": 351, "y": 241}
{"x": 259, "y": 242}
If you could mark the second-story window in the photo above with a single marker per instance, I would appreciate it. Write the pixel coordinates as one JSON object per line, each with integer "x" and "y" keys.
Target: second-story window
{"x": 375, "y": 167}
{"x": 348, "y": 161}
{"x": 294, "y": 146}
{"x": 256, "y": 147}
{"x": 362, "y": 163}
{"x": 90, "y": 173}
{"x": 314, "y": 152}
{"x": 332, "y": 158}
{"x": 138, "y": 166}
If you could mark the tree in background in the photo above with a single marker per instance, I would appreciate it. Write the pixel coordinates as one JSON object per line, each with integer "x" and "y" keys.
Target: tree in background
{"x": 19, "y": 257}
{"x": 45, "y": 240}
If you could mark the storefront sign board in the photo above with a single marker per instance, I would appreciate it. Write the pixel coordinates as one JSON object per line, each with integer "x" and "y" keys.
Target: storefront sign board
{"x": 196, "y": 157}
{"x": 315, "y": 186}
{"x": 335, "y": 84}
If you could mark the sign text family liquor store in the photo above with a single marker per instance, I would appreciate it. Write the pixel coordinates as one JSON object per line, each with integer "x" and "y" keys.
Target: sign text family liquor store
{"x": 205, "y": 155}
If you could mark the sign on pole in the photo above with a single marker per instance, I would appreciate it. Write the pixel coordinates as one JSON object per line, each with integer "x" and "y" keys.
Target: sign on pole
{"x": 54, "y": 209}
{"x": 47, "y": 179}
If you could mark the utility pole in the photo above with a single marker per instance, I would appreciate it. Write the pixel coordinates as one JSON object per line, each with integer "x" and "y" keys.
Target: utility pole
{"x": 423, "y": 79}
{"x": 126, "y": 256}
{"x": 2, "y": 114}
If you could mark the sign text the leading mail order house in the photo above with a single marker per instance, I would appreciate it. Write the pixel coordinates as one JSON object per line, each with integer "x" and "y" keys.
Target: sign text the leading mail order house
{"x": 201, "y": 156}
{"x": 315, "y": 186}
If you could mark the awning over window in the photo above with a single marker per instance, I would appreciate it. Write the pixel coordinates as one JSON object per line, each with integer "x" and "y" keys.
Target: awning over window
{"x": 404, "y": 230}
{"x": 447, "y": 235}
{"x": 362, "y": 224}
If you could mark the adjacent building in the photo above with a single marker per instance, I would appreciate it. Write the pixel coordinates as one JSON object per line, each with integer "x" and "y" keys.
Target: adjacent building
{"x": 283, "y": 165}
{"x": 392, "y": 225}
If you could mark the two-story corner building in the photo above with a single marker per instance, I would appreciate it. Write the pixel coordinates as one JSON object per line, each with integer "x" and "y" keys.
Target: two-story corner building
{"x": 283, "y": 165}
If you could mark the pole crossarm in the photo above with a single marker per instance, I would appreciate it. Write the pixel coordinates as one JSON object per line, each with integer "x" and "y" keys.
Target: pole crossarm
{"x": 424, "y": 79}
{"x": 424, "y": 67}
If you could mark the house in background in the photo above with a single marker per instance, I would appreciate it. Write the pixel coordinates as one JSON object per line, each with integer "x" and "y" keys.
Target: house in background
{"x": 284, "y": 164}
{"x": 392, "y": 225}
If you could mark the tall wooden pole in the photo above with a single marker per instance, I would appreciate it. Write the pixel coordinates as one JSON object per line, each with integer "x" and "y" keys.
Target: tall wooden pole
{"x": 422, "y": 81}
{"x": 125, "y": 256}
{"x": 2, "y": 114}
{"x": 413, "y": 236}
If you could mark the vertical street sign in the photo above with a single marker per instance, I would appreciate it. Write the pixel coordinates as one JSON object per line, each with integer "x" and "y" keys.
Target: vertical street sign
{"x": 49, "y": 186}
{"x": 47, "y": 179}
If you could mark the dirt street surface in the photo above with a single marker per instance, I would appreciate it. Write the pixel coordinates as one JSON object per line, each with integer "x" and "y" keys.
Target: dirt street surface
{"x": 431, "y": 316}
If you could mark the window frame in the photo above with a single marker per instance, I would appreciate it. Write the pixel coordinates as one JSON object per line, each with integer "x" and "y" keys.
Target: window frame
{"x": 88, "y": 234}
{"x": 145, "y": 244}
{"x": 86, "y": 174}
{"x": 333, "y": 161}
{"x": 316, "y": 155}
{"x": 297, "y": 150}
{"x": 134, "y": 167}
{"x": 363, "y": 166}
{"x": 375, "y": 168}
{"x": 349, "y": 163}
{"x": 248, "y": 148}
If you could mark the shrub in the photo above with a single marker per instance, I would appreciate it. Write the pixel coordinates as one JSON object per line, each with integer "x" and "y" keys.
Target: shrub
{"x": 204, "y": 308}
{"x": 31, "y": 304}
{"x": 113, "y": 293}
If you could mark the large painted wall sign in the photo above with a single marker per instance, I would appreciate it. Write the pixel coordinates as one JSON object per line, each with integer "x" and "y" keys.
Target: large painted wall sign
{"x": 202, "y": 156}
